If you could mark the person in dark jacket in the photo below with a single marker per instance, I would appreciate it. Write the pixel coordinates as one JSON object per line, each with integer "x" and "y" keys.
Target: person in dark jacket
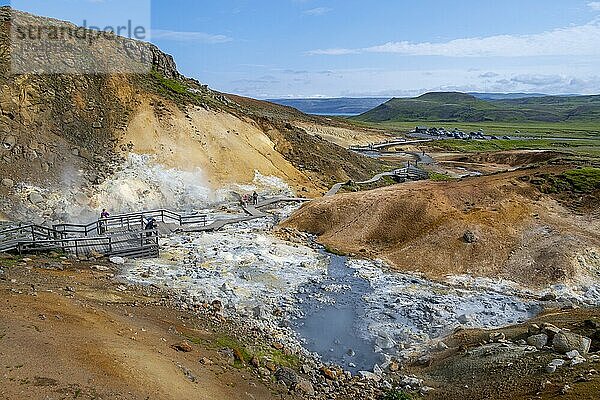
{"x": 151, "y": 225}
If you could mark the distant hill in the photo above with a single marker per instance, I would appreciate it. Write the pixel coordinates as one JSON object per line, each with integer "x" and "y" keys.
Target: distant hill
{"x": 334, "y": 106}
{"x": 463, "y": 107}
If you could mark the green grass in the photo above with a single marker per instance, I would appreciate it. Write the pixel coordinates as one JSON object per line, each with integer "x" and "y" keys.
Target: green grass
{"x": 578, "y": 147}
{"x": 170, "y": 84}
{"x": 583, "y": 130}
{"x": 437, "y": 177}
{"x": 246, "y": 353}
{"x": 580, "y": 180}
{"x": 396, "y": 394}
{"x": 7, "y": 261}
{"x": 463, "y": 107}
{"x": 584, "y": 179}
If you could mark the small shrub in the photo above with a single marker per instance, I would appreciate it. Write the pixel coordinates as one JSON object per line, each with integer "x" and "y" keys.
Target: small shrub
{"x": 396, "y": 394}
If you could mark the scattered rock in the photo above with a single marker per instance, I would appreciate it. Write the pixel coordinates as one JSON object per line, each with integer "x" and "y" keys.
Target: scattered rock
{"x": 557, "y": 362}
{"x": 470, "y": 237}
{"x": 117, "y": 260}
{"x": 578, "y": 360}
{"x": 8, "y": 182}
{"x": 184, "y": 347}
{"x": 548, "y": 297}
{"x": 271, "y": 366}
{"x": 441, "y": 346}
{"x": 550, "y": 330}
{"x": 35, "y": 198}
{"x": 328, "y": 373}
{"x": 369, "y": 376}
{"x": 538, "y": 341}
{"x": 497, "y": 337}
{"x": 572, "y": 354}
{"x": 9, "y": 142}
{"x": 305, "y": 387}
{"x": 425, "y": 390}
{"x": 206, "y": 361}
{"x": 287, "y": 376}
{"x": 411, "y": 383}
{"x": 187, "y": 373}
{"x": 217, "y": 305}
{"x": 384, "y": 342}
{"x": 464, "y": 318}
{"x": 565, "y": 342}
{"x": 278, "y": 346}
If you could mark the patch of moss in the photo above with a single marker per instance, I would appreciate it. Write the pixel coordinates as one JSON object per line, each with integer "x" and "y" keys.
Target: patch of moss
{"x": 9, "y": 261}
{"x": 437, "y": 177}
{"x": 170, "y": 84}
{"x": 279, "y": 358}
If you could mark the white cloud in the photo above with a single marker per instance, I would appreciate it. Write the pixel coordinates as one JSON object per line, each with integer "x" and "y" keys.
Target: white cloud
{"x": 594, "y": 5}
{"x": 571, "y": 41}
{"x": 200, "y": 37}
{"x": 317, "y": 11}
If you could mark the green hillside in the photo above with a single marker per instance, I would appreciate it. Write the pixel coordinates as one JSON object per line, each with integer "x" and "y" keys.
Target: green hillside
{"x": 462, "y": 107}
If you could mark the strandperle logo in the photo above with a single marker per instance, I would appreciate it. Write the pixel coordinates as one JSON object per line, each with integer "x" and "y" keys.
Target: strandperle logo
{"x": 96, "y": 37}
{"x": 83, "y": 32}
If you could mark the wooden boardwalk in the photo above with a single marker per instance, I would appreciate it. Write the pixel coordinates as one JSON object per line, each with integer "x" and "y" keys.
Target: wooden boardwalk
{"x": 252, "y": 213}
{"x": 408, "y": 173}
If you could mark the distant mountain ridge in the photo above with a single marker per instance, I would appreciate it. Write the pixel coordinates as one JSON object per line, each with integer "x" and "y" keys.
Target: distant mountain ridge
{"x": 333, "y": 106}
{"x": 464, "y": 107}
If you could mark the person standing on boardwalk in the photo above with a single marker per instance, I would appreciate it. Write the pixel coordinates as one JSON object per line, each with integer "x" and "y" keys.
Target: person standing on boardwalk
{"x": 255, "y": 198}
{"x": 102, "y": 224}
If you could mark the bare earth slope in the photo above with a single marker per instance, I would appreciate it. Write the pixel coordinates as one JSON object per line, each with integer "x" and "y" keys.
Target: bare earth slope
{"x": 74, "y": 332}
{"x": 520, "y": 234}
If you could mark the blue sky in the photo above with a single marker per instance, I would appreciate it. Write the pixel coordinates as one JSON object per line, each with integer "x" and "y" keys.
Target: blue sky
{"x": 331, "y": 48}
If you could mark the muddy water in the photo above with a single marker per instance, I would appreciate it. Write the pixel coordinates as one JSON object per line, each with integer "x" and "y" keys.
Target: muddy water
{"x": 330, "y": 321}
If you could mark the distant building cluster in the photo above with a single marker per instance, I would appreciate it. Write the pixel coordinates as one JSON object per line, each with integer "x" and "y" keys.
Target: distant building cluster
{"x": 455, "y": 133}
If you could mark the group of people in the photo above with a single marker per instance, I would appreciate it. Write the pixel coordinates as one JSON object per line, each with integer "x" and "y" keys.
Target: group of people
{"x": 247, "y": 198}
{"x": 149, "y": 225}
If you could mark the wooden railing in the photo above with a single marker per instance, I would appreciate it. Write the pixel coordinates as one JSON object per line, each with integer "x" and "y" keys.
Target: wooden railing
{"x": 141, "y": 243}
{"x": 106, "y": 235}
{"x": 129, "y": 222}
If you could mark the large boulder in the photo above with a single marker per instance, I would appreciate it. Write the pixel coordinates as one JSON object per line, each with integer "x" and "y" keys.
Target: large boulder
{"x": 565, "y": 342}
{"x": 538, "y": 341}
{"x": 35, "y": 198}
